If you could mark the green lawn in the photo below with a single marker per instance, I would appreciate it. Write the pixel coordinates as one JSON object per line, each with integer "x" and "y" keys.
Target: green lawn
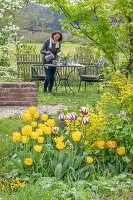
{"x": 71, "y": 47}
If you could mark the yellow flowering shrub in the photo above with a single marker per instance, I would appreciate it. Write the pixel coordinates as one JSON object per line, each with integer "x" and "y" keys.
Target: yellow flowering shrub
{"x": 123, "y": 96}
{"x": 93, "y": 130}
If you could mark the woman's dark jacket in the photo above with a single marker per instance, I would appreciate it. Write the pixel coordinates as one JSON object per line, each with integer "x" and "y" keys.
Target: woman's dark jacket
{"x": 52, "y": 50}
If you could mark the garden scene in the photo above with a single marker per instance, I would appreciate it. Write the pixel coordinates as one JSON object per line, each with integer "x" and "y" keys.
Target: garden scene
{"x": 77, "y": 142}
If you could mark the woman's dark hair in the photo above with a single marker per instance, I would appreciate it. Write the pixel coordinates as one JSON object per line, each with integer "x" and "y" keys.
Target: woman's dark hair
{"x": 57, "y": 32}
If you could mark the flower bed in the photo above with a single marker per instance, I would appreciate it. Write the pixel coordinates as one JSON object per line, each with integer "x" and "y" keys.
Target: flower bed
{"x": 77, "y": 152}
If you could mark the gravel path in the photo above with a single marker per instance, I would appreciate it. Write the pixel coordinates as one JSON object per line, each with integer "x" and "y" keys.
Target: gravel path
{"x": 6, "y": 111}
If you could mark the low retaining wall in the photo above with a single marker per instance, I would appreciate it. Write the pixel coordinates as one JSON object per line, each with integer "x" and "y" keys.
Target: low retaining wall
{"x": 18, "y": 94}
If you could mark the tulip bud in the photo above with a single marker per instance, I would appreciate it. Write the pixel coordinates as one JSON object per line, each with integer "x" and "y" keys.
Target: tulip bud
{"x": 85, "y": 120}
{"x": 84, "y": 110}
{"x": 61, "y": 117}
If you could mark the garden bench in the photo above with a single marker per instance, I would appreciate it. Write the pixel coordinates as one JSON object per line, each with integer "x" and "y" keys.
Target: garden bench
{"x": 37, "y": 73}
{"x": 90, "y": 74}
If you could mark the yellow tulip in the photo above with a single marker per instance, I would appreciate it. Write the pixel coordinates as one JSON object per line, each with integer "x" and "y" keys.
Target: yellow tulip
{"x": 26, "y": 117}
{"x": 60, "y": 145}
{"x": 111, "y": 144}
{"x": 47, "y": 130}
{"x": 44, "y": 117}
{"x": 25, "y": 139}
{"x": 100, "y": 144}
{"x": 89, "y": 159}
{"x": 32, "y": 110}
{"x": 34, "y": 124}
{"x": 120, "y": 150}
{"x": 36, "y": 115}
{"x": 37, "y": 148}
{"x": 76, "y": 136}
{"x": 59, "y": 139}
{"x": 27, "y": 130}
{"x": 28, "y": 161}
{"x": 58, "y": 54}
{"x": 40, "y": 140}
{"x": 34, "y": 135}
{"x": 39, "y": 131}
{"x": 16, "y": 136}
{"x": 42, "y": 126}
{"x": 50, "y": 122}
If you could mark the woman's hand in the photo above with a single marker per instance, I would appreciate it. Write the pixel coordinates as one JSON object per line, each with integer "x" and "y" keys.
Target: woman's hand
{"x": 48, "y": 52}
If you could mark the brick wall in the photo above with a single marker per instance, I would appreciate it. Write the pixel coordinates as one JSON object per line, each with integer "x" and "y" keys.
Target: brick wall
{"x": 18, "y": 94}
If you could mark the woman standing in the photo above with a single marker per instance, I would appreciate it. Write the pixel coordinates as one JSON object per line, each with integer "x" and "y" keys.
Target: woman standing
{"x": 51, "y": 46}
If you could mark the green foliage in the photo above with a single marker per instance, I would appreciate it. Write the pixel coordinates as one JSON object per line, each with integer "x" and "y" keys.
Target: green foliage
{"x": 118, "y": 187}
{"x": 95, "y": 20}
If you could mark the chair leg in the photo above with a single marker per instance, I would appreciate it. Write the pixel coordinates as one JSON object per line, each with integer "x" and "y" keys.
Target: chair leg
{"x": 98, "y": 87}
{"x": 85, "y": 86}
{"x": 38, "y": 84}
{"x": 79, "y": 86}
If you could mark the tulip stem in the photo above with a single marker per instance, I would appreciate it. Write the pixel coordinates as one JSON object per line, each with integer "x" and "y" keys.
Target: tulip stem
{"x": 81, "y": 121}
{"x": 47, "y": 139}
{"x": 16, "y": 147}
{"x": 103, "y": 160}
{"x": 74, "y": 125}
{"x": 24, "y": 150}
{"x": 74, "y": 153}
{"x": 85, "y": 134}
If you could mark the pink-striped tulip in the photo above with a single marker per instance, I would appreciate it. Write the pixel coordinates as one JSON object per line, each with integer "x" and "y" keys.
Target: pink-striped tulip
{"x": 61, "y": 117}
{"x": 72, "y": 117}
{"x": 84, "y": 110}
{"x": 85, "y": 120}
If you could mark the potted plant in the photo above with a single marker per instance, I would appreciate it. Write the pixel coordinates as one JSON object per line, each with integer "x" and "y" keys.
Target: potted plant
{"x": 64, "y": 57}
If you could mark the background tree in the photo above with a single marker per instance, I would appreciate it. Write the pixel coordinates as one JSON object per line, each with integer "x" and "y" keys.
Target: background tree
{"x": 37, "y": 18}
{"x": 8, "y": 32}
{"x": 107, "y": 24}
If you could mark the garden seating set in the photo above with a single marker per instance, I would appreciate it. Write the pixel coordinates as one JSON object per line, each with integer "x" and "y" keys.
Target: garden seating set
{"x": 90, "y": 74}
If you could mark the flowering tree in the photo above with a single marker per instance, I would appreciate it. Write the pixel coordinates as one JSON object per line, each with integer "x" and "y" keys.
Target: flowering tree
{"x": 107, "y": 24}
{"x": 8, "y": 32}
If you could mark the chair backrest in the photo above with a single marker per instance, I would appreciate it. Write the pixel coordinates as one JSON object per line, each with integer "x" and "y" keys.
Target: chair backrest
{"x": 37, "y": 69}
{"x": 90, "y": 70}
